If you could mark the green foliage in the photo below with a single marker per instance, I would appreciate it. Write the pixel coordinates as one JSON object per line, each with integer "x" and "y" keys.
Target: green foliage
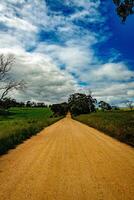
{"x": 21, "y": 124}
{"x": 59, "y": 109}
{"x": 104, "y": 106}
{"x": 81, "y": 104}
{"x": 124, "y": 8}
{"x": 118, "y": 124}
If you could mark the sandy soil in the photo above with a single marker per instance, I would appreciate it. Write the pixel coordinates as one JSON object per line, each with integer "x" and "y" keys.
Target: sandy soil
{"x": 68, "y": 161}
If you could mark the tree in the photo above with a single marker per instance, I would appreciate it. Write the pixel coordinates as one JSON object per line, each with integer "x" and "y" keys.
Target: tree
{"x": 60, "y": 109}
{"x": 7, "y": 84}
{"x": 6, "y": 103}
{"x": 40, "y": 105}
{"x": 115, "y": 108}
{"x": 81, "y": 104}
{"x": 29, "y": 104}
{"x": 104, "y": 106}
{"x": 124, "y": 8}
{"x": 130, "y": 104}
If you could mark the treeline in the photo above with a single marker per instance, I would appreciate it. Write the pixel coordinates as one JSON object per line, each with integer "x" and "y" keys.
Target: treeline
{"x": 7, "y": 103}
{"x": 81, "y": 104}
{"x": 77, "y": 104}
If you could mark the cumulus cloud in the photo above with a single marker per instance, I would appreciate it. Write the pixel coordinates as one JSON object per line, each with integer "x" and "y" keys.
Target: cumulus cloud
{"x": 74, "y": 56}
{"x": 112, "y": 82}
{"x": 112, "y": 71}
{"x": 44, "y": 80}
{"x": 54, "y": 50}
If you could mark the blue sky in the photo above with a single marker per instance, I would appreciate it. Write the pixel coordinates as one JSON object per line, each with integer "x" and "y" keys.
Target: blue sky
{"x": 67, "y": 46}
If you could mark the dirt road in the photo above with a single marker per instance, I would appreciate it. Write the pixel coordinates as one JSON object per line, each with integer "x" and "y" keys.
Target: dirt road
{"x": 68, "y": 161}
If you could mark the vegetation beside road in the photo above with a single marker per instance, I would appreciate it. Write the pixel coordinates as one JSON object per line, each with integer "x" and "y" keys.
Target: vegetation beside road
{"x": 118, "y": 124}
{"x": 21, "y": 124}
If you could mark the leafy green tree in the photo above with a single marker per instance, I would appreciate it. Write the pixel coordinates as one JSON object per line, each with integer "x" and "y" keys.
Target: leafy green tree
{"x": 124, "y": 8}
{"x": 104, "y": 105}
{"x": 60, "y": 109}
{"x": 81, "y": 104}
{"x": 29, "y": 104}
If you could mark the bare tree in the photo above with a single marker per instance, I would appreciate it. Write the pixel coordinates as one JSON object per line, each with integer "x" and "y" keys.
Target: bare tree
{"x": 7, "y": 84}
{"x": 130, "y": 104}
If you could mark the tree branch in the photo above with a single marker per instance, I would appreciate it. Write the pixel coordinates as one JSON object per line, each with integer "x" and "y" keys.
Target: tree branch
{"x": 11, "y": 86}
{"x": 7, "y": 84}
{"x": 5, "y": 65}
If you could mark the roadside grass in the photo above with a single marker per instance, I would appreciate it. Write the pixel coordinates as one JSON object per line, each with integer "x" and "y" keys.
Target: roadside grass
{"x": 21, "y": 124}
{"x": 118, "y": 124}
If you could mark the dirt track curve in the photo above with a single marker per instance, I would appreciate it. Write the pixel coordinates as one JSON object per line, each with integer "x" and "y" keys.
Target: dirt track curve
{"x": 68, "y": 161}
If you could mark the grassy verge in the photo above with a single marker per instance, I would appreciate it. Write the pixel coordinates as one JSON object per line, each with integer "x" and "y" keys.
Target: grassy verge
{"x": 118, "y": 124}
{"x": 21, "y": 124}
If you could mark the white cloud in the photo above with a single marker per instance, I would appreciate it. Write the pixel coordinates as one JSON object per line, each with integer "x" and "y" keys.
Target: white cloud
{"x": 112, "y": 71}
{"x": 75, "y": 55}
{"x": 23, "y": 21}
{"x": 72, "y": 56}
{"x": 17, "y": 23}
{"x": 9, "y": 17}
{"x": 45, "y": 81}
{"x": 112, "y": 92}
{"x": 130, "y": 92}
{"x": 114, "y": 89}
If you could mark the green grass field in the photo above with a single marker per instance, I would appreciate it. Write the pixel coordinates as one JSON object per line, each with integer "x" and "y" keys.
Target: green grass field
{"x": 21, "y": 124}
{"x": 118, "y": 124}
